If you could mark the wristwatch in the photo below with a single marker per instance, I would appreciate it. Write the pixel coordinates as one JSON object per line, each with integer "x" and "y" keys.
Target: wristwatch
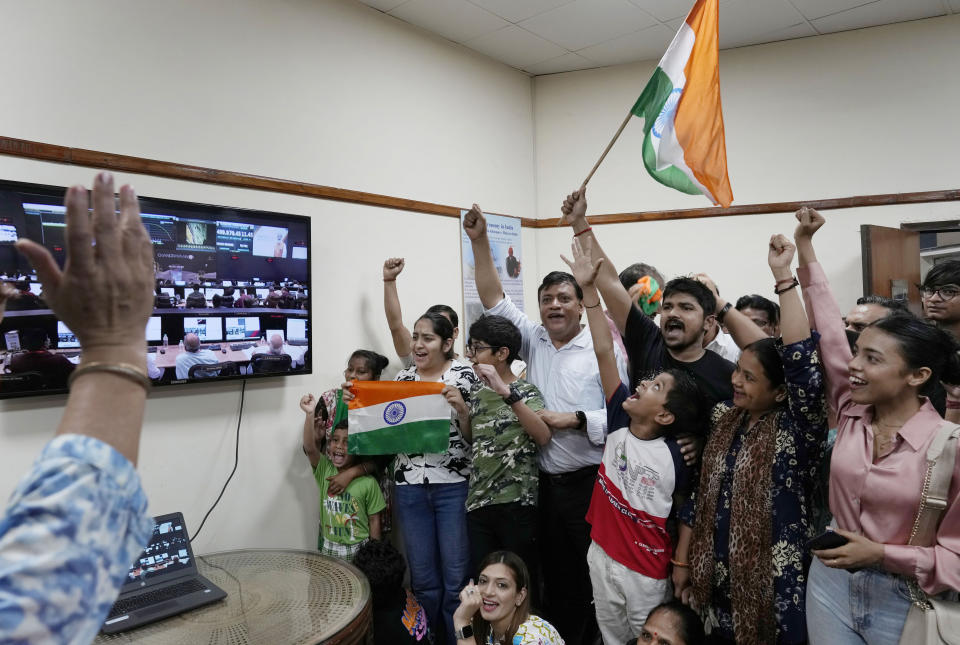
{"x": 723, "y": 312}
{"x": 464, "y": 632}
{"x": 582, "y": 419}
{"x": 514, "y": 395}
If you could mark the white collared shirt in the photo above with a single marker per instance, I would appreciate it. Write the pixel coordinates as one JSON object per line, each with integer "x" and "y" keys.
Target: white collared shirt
{"x": 725, "y": 346}
{"x": 569, "y": 380}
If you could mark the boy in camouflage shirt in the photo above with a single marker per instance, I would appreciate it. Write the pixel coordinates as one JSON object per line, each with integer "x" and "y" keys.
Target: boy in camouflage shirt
{"x": 506, "y": 429}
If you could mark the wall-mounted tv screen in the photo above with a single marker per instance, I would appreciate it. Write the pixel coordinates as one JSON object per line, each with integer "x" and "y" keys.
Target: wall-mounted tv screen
{"x": 219, "y": 249}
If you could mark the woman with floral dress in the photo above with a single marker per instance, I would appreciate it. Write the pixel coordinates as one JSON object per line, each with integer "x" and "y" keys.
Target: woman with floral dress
{"x": 741, "y": 556}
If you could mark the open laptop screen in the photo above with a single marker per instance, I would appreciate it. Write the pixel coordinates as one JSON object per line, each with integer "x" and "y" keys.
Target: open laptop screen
{"x": 168, "y": 554}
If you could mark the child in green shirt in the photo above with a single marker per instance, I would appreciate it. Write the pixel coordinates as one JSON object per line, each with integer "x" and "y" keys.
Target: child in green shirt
{"x": 348, "y": 519}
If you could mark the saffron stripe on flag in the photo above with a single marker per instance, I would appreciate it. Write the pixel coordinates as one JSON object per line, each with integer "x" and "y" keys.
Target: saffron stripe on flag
{"x": 376, "y": 392}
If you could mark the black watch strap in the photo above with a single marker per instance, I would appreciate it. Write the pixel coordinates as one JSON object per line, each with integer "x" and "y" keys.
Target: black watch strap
{"x": 514, "y": 395}
{"x": 723, "y": 312}
{"x": 582, "y": 418}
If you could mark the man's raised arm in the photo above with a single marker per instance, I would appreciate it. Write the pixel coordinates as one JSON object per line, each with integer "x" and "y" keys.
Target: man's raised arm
{"x": 488, "y": 282}
{"x": 616, "y": 298}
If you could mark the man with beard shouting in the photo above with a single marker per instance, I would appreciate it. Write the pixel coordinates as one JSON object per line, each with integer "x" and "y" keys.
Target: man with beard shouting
{"x": 689, "y": 306}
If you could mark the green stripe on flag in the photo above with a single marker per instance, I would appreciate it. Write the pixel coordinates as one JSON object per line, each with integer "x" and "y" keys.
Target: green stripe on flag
{"x": 671, "y": 176}
{"x": 648, "y": 107}
{"x": 430, "y": 436}
{"x": 651, "y": 100}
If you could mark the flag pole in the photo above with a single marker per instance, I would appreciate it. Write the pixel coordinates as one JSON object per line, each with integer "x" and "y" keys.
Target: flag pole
{"x": 603, "y": 156}
{"x": 607, "y": 149}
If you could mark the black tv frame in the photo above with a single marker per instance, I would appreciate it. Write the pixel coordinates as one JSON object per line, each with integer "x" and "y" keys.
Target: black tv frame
{"x": 270, "y": 270}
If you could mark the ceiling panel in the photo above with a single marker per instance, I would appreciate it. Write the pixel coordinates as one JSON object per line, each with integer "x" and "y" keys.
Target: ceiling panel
{"x": 565, "y": 63}
{"x": 588, "y": 22}
{"x": 383, "y": 5}
{"x": 517, "y": 10}
{"x": 801, "y": 30}
{"x": 553, "y": 36}
{"x": 516, "y": 47}
{"x": 665, "y": 9}
{"x": 812, "y": 9}
{"x": 646, "y": 44}
{"x": 882, "y": 12}
{"x": 457, "y": 20}
{"x": 741, "y": 20}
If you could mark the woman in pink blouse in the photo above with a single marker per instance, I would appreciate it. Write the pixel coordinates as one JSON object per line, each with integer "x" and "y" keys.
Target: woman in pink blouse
{"x": 857, "y": 593}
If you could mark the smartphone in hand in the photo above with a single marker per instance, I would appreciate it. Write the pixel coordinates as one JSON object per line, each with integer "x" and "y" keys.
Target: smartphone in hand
{"x": 826, "y": 540}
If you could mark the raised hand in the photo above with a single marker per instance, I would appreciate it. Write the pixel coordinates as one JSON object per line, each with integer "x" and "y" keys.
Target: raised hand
{"x": 392, "y": 267}
{"x": 470, "y": 602}
{"x": 308, "y": 403}
{"x": 583, "y": 267}
{"x": 808, "y": 222}
{"x": 455, "y": 399}
{"x": 708, "y": 282}
{"x": 574, "y": 207}
{"x": 474, "y": 223}
{"x": 105, "y": 291}
{"x": 7, "y": 291}
{"x": 488, "y": 374}
{"x": 780, "y": 254}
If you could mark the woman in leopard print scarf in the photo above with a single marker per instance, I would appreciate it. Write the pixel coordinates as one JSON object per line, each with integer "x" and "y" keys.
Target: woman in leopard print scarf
{"x": 749, "y": 517}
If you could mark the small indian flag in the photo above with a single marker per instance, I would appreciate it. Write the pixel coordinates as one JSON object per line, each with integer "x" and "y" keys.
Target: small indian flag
{"x": 684, "y": 145}
{"x": 388, "y": 417}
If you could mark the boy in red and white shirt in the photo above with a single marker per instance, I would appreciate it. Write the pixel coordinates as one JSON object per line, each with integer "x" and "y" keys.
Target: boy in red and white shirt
{"x": 641, "y": 470}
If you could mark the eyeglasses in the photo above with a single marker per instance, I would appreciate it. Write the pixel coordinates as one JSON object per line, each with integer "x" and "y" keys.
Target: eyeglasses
{"x": 946, "y": 292}
{"x": 473, "y": 349}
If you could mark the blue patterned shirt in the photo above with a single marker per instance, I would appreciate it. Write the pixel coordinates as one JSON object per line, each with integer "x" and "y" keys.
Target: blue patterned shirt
{"x": 71, "y": 529}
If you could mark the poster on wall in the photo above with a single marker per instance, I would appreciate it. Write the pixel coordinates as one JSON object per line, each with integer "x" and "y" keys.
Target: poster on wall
{"x": 504, "y": 235}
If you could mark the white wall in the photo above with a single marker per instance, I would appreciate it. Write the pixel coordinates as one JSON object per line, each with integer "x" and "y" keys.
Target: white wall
{"x": 329, "y": 92}
{"x": 862, "y": 112}
{"x": 335, "y": 93}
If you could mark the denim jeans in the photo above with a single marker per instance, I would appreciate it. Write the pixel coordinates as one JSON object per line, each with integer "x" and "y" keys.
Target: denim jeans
{"x": 843, "y": 608}
{"x": 433, "y": 521}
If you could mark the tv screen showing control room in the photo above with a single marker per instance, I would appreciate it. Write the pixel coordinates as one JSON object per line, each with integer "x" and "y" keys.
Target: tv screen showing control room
{"x": 231, "y": 298}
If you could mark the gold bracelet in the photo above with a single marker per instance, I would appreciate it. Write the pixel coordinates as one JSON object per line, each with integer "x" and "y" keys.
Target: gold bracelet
{"x": 679, "y": 564}
{"x": 123, "y": 370}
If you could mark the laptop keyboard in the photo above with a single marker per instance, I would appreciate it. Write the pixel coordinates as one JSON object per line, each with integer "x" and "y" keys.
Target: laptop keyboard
{"x": 154, "y": 597}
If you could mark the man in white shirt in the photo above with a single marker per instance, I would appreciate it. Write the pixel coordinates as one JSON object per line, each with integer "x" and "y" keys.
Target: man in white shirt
{"x": 721, "y": 343}
{"x": 193, "y": 355}
{"x": 562, "y": 364}
{"x": 276, "y": 347}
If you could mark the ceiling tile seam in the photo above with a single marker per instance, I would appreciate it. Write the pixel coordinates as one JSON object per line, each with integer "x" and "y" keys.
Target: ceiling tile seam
{"x": 527, "y": 18}
{"x": 632, "y": 33}
{"x": 837, "y": 13}
{"x": 450, "y": 39}
{"x": 807, "y": 20}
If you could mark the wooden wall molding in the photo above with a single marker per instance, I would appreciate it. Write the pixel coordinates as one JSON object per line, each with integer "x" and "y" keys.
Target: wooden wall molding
{"x": 123, "y": 163}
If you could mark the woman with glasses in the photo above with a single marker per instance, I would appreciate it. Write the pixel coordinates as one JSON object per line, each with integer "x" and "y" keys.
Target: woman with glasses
{"x": 506, "y": 431}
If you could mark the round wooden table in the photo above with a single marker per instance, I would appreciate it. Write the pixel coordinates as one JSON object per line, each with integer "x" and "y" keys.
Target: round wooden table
{"x": 274, "y": 596}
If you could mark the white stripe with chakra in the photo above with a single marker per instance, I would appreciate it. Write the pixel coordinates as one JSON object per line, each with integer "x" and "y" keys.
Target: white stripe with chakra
{"x": 665, "y": 144}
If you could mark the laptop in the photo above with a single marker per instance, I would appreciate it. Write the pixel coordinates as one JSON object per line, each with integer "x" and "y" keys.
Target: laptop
{"x": 163, "y": 581}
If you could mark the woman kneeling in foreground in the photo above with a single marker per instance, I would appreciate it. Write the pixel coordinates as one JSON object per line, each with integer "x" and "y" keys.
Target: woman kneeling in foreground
{"x": 496, "y": 610}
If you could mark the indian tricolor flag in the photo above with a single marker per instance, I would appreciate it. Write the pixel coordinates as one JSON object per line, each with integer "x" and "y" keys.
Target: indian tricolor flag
{"x": 388, "y": 417}
{"x": 684, "y": 145}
